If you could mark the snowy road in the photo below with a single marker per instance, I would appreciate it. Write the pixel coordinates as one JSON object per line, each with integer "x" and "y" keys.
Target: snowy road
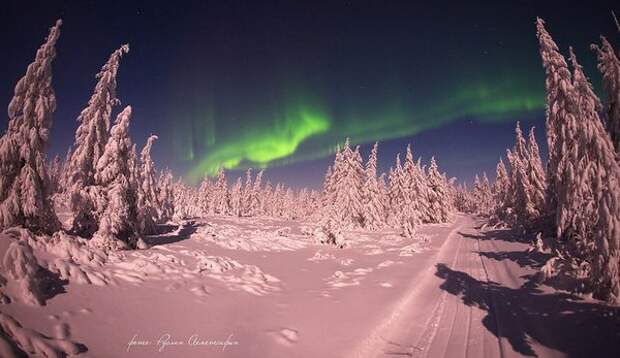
{"x": 480, "y": 299}
{"x": 467, "y": 292}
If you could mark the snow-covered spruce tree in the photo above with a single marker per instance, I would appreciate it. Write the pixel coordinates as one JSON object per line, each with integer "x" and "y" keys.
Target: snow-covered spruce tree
{"x": 91, "y": 138}
{"x": 236, "y": 203}
{"x": 396, "y": 193}
{"x": 522, "y": 190}
{"x": 204, "y": 196}
{"x": 148, "y": 195}
{"x": 592, "y": 198}
{"x": 560, "y": 114}
{"x": 415, "y": 190}
{"x": 179, "y": 202}
{"x": 374, "y": 210}
{"x": 536, "y": 174}
{"x": 480, "y": 195}
{"x": 609, "y": 66}
{"x": 256, "y": 197}
{"x": 500, "y": 190}
{"x": 24, "y": 183}
{"x": 166, "y": 197}
{"x": 119, "y": 221}
{"x": 246, "y": 193}
{"x": 346, "y": 187}
{"x": 439, "y": 205}
{"x": 220, "y": 194}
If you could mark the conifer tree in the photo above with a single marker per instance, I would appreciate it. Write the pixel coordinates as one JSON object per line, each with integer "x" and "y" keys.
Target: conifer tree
{"x": 166, "y": 197}
{"x": 440, "y": 205}
{"x": 236, "y": 202}
{"x": 91, "y": 138}
{"x": 592, "y": 200}
{"x": 221, "y": 195}
{"x": 559, "y": 111}
{"x": 119, "y": 222}
{"x": 500, "y": 192}
{"x": 24, "y": 183}
{"x": 374, "y": 214}
{"x": 246, "y": 193}
{"x": 148, "y": 196}
{"x": 609, "y": 66}
{"x": 255, "y": 196}
{"x": 536, "y": 174}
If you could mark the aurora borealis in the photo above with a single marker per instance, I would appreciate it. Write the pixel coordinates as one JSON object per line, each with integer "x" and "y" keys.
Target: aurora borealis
{"x": 277, "y": 141}
{"x": 237, "y": 84}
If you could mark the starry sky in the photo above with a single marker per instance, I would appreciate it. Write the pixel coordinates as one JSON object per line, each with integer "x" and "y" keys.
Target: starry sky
{"x": 278, "y": 84}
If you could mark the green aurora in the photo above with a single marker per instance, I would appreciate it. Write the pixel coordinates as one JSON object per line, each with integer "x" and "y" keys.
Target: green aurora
{"x": 305, "y": 130}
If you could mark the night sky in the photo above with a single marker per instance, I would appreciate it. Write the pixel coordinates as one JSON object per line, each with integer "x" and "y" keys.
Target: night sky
{"x": 278, "y": 85}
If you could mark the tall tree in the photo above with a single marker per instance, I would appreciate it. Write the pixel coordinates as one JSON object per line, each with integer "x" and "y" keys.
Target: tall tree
{"x": 24, "y": 183}
{"x": 373, "y": 211}
{"x": 536, "y": 174}
{"x": 91, "y": 138}
{"x": 592, "y": 198}
{"x": 439, "y": 204}
{"x": 166, "y": 197}
{"x": 609, "y": 66}
{"x": 500, "y": 193}
{"x": 118, "y": 226}
{"x": 559, "y": 111}
{"x": 148, "y": 196}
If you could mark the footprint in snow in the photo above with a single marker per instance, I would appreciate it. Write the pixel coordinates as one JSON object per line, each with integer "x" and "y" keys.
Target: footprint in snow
{"x": 286, "y": 336}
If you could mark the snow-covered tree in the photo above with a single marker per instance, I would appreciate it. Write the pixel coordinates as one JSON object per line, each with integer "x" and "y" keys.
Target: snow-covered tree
{"x": 373, "y": 211}
{"x": 416, "y": 189}
{"x": 583, "y": 172}
{"x": 396, "y": 193}
{"x": 119, "y": 222}
{"x": 559, "y": 111}
{"x": 24, "y": 183}
{"x": 255, "y": 196}
{"x": 220, "y": 194}
{"x": 609, "y": 66}
{"x": 148, "y": 195}
{"x": 536, "y": 174}
{"x": 593, "y": 192}
{"x": 345, "y": 187}
{"x": 439, "y": 203}
{"x": 204, "y": 196}
{"x": 500, "y": 192}
{"x": 91, "y": 138}
{"x": 236, "y": 200}
{"x": 166, "y": 197}
{"x": 246, "y": 193}
{"x": 522, "y": 191}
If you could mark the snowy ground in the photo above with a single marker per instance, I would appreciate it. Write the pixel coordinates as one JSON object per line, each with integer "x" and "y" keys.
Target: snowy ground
{"x": 225, "y": 287}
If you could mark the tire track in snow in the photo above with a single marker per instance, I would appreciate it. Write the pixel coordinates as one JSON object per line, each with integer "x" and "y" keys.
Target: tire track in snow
{"x": 375, "y": 342}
